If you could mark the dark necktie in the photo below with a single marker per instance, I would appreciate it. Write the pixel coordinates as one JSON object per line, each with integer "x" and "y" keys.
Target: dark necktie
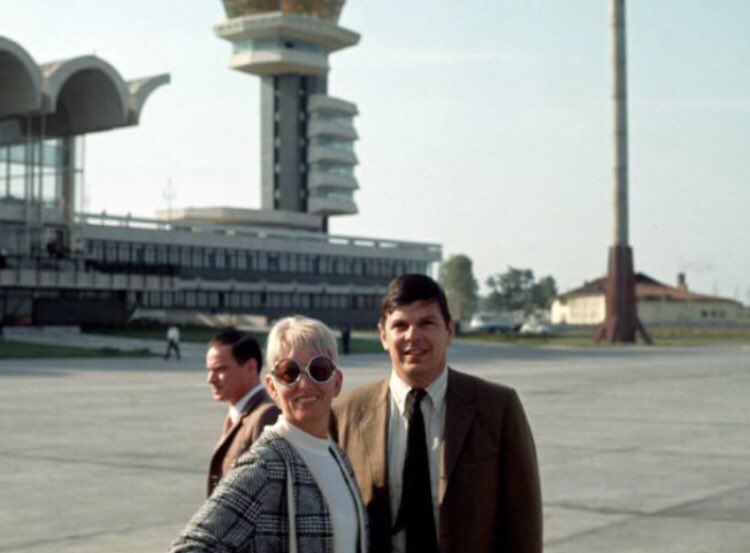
{"x": 415, "y": 514}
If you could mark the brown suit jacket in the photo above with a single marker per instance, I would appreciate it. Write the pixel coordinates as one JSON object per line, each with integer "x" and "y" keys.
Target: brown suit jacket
{"x": 259, "y": 412}
{"x": 489, "y": 492}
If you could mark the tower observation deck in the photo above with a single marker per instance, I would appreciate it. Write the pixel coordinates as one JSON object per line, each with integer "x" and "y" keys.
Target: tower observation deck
{"x": 307, "y": 136}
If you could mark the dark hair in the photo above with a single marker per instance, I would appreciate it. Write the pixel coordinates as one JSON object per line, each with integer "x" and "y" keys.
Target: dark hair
{"x": 413, "y": 287}
{"x": 244, "y": 345}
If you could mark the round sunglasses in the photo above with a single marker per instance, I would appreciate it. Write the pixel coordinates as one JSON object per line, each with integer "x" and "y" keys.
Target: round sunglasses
{"x": 319, "y": 369}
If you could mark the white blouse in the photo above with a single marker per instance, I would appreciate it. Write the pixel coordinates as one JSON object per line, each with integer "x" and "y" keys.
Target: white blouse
{"x": 344, "y": 506}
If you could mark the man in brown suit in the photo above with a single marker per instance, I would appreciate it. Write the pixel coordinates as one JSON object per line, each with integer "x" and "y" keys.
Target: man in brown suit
{"x": 483, "y": 492}
{"x": 234, "y": 362}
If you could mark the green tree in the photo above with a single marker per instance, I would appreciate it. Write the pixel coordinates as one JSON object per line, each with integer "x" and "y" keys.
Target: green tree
{"x": 516, "y": 289}
{"x": 457, "y": 279}
{"x": 544, "y": 292}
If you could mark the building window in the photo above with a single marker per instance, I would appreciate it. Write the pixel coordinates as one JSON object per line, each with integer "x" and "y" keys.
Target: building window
{"x": 273, "y": 263}
{"x": 123, "y": 252}
{"x": 137, "y": 254}
{"x": 161, "y": 254}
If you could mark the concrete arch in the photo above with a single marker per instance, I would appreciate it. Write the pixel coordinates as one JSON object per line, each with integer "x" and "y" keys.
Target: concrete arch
{"x": 140, "y": 90}
{"x": 84, "y": 94}
{"x": 20, "y": 80}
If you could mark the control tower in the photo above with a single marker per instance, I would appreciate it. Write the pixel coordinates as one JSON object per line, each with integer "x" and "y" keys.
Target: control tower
{"x": 307, "y": 136}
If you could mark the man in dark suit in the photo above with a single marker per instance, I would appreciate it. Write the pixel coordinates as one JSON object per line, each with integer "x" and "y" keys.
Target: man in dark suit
{"x": 234, "y": 362}
{"x": 459, "y": 448}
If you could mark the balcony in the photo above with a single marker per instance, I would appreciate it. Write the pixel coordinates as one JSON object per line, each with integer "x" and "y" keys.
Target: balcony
{"x": 335, "y": 129}
{"x": 329, "y": 104}
{"x": 327, "y": 35}
{"x": 322, "y": 205}
{"x": 322, "y": 179}
{"x": 279, "y": 62}
{"x": 331, "y": 155}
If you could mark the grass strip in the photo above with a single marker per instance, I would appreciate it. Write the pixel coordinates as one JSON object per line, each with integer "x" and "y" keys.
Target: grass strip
{"x": 14, "y": 349}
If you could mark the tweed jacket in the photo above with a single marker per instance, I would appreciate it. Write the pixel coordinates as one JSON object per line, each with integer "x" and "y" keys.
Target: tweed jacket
{"x": 489, "y": 493}
{"x": 247, "y": 513}
{"x": 259, "y": 412}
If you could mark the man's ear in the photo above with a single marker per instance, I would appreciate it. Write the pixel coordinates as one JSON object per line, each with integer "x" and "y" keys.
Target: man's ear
{"x": 451, "y": 330}
{"x": 381, "y": 332}
{"x": 252, "y": 365}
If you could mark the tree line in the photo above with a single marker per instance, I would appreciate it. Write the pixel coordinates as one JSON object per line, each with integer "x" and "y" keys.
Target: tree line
{"x": 512, "y": 290}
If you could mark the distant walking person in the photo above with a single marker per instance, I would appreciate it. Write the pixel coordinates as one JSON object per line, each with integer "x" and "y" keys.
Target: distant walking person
{"x": 173, "y": 342}
{"x": 234, "y": 362}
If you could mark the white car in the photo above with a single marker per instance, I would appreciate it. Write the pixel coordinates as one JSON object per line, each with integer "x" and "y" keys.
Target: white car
{"x": 492, "y": 322}
{"x": 536, "y": 328}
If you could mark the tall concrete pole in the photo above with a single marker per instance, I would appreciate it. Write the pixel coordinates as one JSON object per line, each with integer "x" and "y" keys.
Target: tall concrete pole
{"x": 621, "y": 319}
{"x": 619, "y": 124}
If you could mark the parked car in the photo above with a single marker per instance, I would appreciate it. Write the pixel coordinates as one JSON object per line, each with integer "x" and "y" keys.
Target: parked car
{"x": 493, "y": 322}
{"x": 535, "y": 328}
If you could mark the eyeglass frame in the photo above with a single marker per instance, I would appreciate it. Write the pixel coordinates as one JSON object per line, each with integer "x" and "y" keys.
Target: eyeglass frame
{"x": 304, "y": 369}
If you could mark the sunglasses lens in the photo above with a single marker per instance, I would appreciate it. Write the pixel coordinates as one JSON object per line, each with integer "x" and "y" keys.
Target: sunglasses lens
{"x": 321, "y": 369}
{"x": 287, "y": 370}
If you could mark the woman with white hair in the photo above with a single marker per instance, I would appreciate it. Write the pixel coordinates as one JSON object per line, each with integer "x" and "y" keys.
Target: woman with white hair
{"x": 294, "y": 489}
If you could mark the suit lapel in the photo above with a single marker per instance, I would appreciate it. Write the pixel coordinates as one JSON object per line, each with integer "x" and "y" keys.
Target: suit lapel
{"x": 255, "y": 401}
{"x": 374, "y": 435}
{"x": 460, "y": 408}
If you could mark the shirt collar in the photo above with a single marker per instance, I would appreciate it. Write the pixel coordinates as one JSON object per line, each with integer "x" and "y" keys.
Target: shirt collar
{"x": 435, "y": 391}
{"x": 235, "y": 411}
{"x": 299, "y": 438}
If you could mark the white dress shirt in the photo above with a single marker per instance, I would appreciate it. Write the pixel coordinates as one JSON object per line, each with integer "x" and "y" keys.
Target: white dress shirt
{"x": 433, "y": 411}
{"x": 235, "y": 411}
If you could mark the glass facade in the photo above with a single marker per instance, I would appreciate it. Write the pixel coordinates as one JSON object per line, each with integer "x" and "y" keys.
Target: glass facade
{"x": 333, "y": 117}
{"x": 212, "y": 263}
{"x": 275, "y": 44}
{"x": 328, "y": 10}
{"x": 333, "y": 142}
{"x": 328, "y": 167}
{"x": 39, "y": 168}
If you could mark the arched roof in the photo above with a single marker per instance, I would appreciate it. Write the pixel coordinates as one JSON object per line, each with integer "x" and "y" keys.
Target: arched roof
{"x": 20, "y": 82}
{"x": 68, "y": 97}
{"x": 85, "y": 94}
{"x": 140, "y": 90}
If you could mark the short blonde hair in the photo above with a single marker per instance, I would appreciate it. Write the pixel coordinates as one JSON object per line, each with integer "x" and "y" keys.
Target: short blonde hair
{"x": 300, "y": 332}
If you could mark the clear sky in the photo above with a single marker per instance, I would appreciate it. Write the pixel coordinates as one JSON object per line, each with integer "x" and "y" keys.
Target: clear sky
{"x": 484, "y": 125}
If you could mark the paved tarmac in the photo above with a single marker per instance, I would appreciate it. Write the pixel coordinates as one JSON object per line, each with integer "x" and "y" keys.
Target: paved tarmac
{"x": 641, "y": 449}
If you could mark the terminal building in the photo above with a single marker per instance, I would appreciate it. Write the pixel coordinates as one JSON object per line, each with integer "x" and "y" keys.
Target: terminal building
{"x": 61, "y": 265}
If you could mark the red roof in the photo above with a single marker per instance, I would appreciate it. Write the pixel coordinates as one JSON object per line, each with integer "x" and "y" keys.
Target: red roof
{"x": 646, "y": 289}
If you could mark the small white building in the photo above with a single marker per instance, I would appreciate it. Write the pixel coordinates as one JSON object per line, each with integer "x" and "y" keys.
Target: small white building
{"x": 657, "y": 304}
